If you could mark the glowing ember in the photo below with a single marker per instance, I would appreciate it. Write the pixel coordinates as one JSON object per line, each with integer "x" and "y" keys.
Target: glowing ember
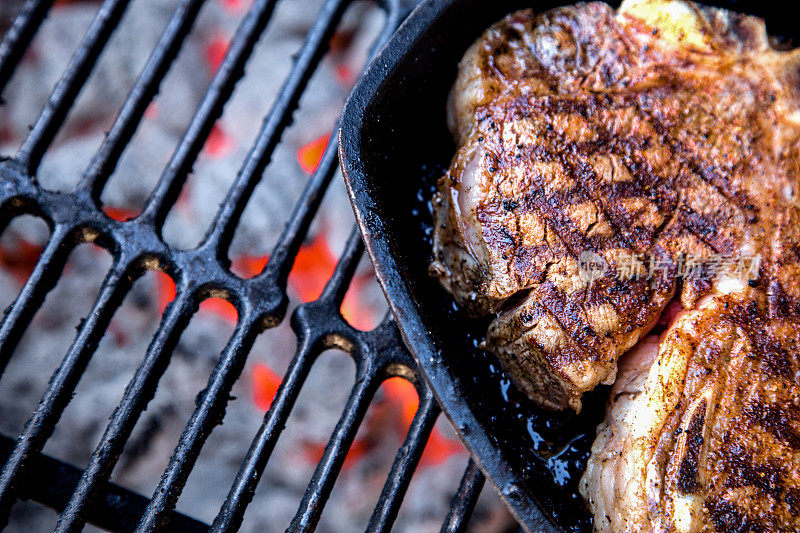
{"x": 20, "y": 259}
{"x": 218, "y": 144}
{"x": 312, "y": 268}
{"x": 153, "y": 111}
{"x": 357, "y": 313}
{"x": 310, "y": 155}
{"x": 313, "y": 451}
{"x": 248, "y": 266}
{"x": 120, "y": 213}
{"x": 265, "y": 385}
{"x": 340, "y": 43}
{"x": 217, "y": 306}
{"x": 215, "y": 53}
{"x": 220, "y": 307}
{"x": 345, "y": 75}
{"x": 235, "y": 6}
{"x": 165, "y": 290}
{"x": 390, "y": 416}
{"x": 439, "y": 448}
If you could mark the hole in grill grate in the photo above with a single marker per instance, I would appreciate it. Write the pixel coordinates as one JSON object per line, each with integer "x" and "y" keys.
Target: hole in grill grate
{"x": 196, "y": 284}
{"x": 21, "y": 245}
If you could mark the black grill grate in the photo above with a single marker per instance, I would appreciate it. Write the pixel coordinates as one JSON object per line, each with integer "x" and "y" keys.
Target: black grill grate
{"x": 77, "y": 217}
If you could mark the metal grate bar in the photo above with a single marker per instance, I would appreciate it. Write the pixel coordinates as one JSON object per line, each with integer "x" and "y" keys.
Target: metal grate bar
{"x": 309, "y": 347}
{"x": 280, "y": 260}
{"x": 142, "y": 93}
{"x": 308, "y": 204}
{"x": 405, "y": 464}
{"x": 70, "y": 84}
{"x": 62, "y": 385}
{"x": 42, "y": 279}
{"x": 333, "y": 458}
{"x": 19, "y": 36}
{"x": 211, "y": 407}
{"x": 277, "y": 120}
{"x": 219, "y": 91}
{"x": 209, "y": 413}
{"x": 241, "y": 493}
{"x": 50, "y": 482}
{"x": 464, "y": 500}
{"x": 138, "y": 393}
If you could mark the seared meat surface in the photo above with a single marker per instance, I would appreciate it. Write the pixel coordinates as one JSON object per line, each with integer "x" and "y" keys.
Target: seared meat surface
{"x": 703, "y": 429}
{"x": 597, "y": 151}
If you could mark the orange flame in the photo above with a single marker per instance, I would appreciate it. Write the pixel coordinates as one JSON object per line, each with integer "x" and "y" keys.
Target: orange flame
{"x": 313, "y": 451}
{"x": 312, "y": 268}
{"x": 220, "y": 307}
{"x": 339, "y": 44}
{"x": 345, "y": 75}
{"x": 354, "y": 310}
{"x": 310, "y": 155}
{"x": 165, "y": 290}
{"x": 392, "y": 416}
{"x": 248, "y": 266}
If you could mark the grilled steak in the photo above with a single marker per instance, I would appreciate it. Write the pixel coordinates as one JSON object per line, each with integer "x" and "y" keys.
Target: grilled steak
{"x": 703, "y": 431}
{"x": 598, "y": 154}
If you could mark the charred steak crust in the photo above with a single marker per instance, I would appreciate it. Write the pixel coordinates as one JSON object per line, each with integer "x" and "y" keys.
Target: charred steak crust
{"x": 583, "y": 131}
{"x": 707, "y": 437}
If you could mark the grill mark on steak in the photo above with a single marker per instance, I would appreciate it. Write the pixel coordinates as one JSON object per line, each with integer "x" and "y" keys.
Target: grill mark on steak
{"x": 778, "y": 421}
{"x": 731, "y": 518}
{"x": 571, "y": 317}
{"x": 572, "y": 156}
{"x": 689, "y": 468}
{"x": 744, "y": 471}
{"x": 701, "y": 236}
